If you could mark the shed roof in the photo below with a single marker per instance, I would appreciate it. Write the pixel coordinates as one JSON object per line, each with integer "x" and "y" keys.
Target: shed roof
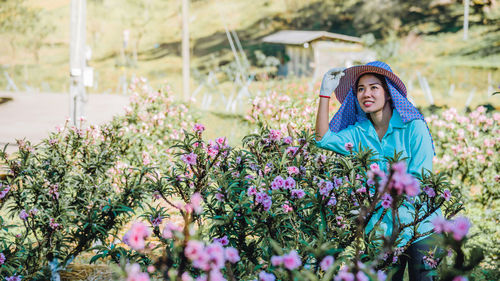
{"x": 299, "y": 37}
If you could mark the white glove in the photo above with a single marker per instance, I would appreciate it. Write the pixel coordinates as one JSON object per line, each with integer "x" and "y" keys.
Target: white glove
{"x": 331, "y": 81}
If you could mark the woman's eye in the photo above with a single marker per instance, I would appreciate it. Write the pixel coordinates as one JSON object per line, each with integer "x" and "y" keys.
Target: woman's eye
{"x": 360, "y": 89}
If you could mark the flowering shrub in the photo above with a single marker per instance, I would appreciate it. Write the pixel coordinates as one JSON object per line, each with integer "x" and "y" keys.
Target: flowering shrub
{"x": 291, "y": 209}
{"x": 80, "y": 186}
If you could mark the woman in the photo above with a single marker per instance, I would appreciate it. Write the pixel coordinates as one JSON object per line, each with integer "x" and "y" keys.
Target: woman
{"x": 376, "y": 114}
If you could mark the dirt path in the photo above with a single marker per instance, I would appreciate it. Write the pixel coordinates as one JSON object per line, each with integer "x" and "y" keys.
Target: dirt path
{"x": 34, "y": 115}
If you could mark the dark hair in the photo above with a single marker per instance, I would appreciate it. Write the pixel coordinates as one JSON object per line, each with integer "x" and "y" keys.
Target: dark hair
{"x": 379, "y": 77}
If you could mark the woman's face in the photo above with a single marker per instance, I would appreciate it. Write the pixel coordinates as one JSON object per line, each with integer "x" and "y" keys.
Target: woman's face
{"x": 371, "y": 94}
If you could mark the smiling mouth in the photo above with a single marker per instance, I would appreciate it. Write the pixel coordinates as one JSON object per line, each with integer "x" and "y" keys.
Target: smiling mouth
{"x": 368, "y": 103}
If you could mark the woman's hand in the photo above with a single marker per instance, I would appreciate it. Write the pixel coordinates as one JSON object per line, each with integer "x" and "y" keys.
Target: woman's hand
{"x": 328, "y": 86}
{"x": 330, "y": 81}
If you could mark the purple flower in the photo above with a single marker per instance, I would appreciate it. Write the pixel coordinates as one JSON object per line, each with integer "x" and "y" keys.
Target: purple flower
{"x": 267, "y": 203}
{"x": 460, "y": 278}
{"x": 53, "y": 224}
{"x": 264, "y": 276}
{"x": 325, "y": 187}
{"x": 288, "y": 140}
{"x": 155, "y": 221}
{"x": 298, "y": 193}
{"x": 189, "y": 159}
{"x": 4, "y": 191}
{"x": 440, "y": 224}
{"x": 386, "y": 201}
{"x": 277, "y": 183}
{"x": 219, "y": 197}
{"x": 360, "y": 276}
{"x": 291, "y": 150}
{"x": 13, "y": 278}
{"x": 23, "y": 215}
{"x": 2, "y": 258}
{"x": 326, "y": 263}
{"x": 251, "y": 191}
{"x": 276, "y": 260}
{"x": 289, "y": 183}
{"x": 332, "y": 201}
{"x": 381, "y": 276}
{"x": 446, "y": 195}
{"x": 429, "y": 191}
{"x": 223, "y": 240}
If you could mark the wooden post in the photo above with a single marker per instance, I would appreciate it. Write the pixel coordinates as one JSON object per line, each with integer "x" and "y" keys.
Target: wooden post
{"x": 77, "y": 60}
{"x": 185, "y": 49}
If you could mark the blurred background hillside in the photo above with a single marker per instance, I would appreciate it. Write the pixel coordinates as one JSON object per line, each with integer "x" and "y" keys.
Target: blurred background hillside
{"x": 131, "y": 38}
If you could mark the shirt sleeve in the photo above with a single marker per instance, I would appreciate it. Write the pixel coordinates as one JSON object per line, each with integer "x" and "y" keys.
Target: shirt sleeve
{"x": 336, "y": 141}
{"x": 421, "y": 149}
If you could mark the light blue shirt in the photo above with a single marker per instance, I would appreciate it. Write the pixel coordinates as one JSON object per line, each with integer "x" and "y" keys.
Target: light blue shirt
{"x": 412, "y": 139}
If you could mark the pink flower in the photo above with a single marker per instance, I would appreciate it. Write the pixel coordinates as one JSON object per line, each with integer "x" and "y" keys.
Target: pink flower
{"x": 286, "y": 208}
{"x": 193, "y": 249}
{"x": 136, "y": 235}
{"x": 293, "y": 170}
{"x": 168, "y": 230}
{"x": 216, "y": 254}
{"x": 292, "y": 260}
{"x": 460, "y": 228}
{"x": 399, "y": 167}
{"x": 186, "y": 277}
{"x": 223, "y": 240}
{"x": 216, "y": 275}
{"x": 446, "y": 195}
{"x": 374, "y": 167}
{"x": 2, "y": 258}
{"x": 344, "y": 275}
{"x": 440, "y": 224}
{"x": 232, "y": 255}
{"x": 276, "y": 260}
{"x": 23, "y": 215}
{"x": 264, "y": 276}
{"x": 13, "y": 278}
{"x": 134, "y": 273}
{"x": 289, "y": 183}
{"x": 326, "y": 263}
{"x": 275, "y": 135}
{"x": 196, "y": 200}
{"x": 189, "y": 159}
{"x": 460, "y": 278}
{"x": 198, "y": 128}
{"x": 348, "y": 146}
{"x": 381, "y": 276}
{"x": 291, "y": 150}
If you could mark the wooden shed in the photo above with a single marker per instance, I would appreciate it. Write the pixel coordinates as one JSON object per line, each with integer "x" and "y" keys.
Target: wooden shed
{"x": 312, "y": 53}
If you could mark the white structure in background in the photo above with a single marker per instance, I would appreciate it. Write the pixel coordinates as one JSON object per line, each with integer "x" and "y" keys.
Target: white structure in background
{"x": 77, "y": 93}
{"x": 312, "y": 53}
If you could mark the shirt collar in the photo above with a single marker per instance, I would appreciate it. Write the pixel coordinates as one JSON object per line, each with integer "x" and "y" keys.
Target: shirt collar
{"x": 395, "y": 122}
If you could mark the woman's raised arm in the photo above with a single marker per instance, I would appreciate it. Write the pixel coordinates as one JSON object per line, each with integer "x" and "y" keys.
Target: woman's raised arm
{"x": 330, "y": 82}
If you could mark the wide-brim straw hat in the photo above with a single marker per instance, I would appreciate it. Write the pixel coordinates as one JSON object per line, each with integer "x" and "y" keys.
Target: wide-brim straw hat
{"x": 353, "y": 73}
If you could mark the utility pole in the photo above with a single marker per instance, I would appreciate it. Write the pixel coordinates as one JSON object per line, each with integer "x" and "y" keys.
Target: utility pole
{"x": 185, "y": 49}
{"x": 466, "y": 19}
{"x": 77, "y": 60}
